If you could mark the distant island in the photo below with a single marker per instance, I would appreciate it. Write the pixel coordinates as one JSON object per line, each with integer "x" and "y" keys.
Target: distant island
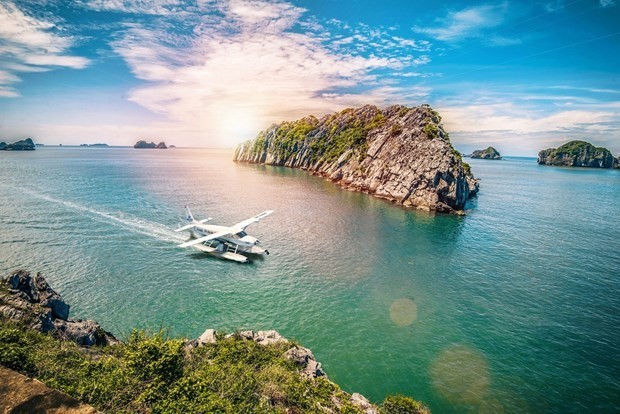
{"x": 144, "y": 144}
{"x": 488, "y": 154}
{"x": 95, "y": 145}
{"x": 578, "y": 154}
{"x": 401, "y": 154}
{"x": 22, "y": 145}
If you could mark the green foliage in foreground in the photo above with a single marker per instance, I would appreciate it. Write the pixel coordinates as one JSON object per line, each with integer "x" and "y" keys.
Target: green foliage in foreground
{"x": 399, "y": 404}
{"x": 152, "y": 373}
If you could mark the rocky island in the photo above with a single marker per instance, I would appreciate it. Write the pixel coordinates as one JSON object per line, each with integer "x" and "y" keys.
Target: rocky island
{"x": 245, "y": 371}
{"x": 487, "y": 154}
{"x": 401, "y": 154}
{"x": 578, "y": 154}
{"x": 22, "y": 145}
{"x": 144, "y": 144}
{"x": 99, "y": 145}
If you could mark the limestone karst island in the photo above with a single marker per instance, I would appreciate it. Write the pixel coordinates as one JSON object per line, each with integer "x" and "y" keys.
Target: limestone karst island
{"x": 400, "y": 154}
{"x": 396, "y": 207}
{"x": 578, "y": 154}
{"x": 489, "y": 153}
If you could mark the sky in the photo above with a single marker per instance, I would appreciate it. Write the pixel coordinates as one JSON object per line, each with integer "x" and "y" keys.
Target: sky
{"x": 518, "y": 75}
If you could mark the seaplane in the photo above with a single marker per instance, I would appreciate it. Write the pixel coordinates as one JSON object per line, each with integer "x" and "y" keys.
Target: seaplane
{"x": 221, "y": 241}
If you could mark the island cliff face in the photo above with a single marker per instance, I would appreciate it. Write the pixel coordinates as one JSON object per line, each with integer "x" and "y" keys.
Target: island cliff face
{"x": 399, "y": 153}
{"x": 578, "y": 154}
{"x": 488, "y": 154}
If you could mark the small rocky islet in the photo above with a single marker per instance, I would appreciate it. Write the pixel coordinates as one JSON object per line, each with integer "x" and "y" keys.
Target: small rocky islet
{"x": 149, "y": 145}
{"x": 246, "y": 371}
{"x": 578, "y": 154}
{"x": 399, "y": 153}
{"x": 21, "y": 145}
{"x": 489, "y": 153}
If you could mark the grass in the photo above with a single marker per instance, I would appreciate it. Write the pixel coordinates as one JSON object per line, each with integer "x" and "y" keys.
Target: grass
{"x": 152, "y": 373}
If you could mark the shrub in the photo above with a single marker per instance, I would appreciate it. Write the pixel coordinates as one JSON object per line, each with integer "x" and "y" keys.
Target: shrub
{"x": 431, "y": 130}
{"x": 14, "y": 351}
{"x": 399, "y": 404}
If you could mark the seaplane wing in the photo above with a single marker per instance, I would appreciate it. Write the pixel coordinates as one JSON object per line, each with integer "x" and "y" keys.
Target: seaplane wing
{"x": 197, "y": 223}
{"x": 243, "y": 224}
{"x": 211, "y": 236}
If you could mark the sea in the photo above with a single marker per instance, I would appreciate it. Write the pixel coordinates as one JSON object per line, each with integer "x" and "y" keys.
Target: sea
{"x": 513, "y": 308}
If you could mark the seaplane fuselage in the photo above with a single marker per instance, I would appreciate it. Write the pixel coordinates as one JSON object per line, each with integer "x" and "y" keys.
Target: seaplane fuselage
{"x": 241, "y": 238}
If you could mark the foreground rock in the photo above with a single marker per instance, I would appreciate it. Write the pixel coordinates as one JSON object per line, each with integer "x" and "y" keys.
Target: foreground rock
{"x": 578, "y": 154}
{"x": 309, "y": 367}
{"x": 144, "y": 144}
{"x": 487, "y": 154}
{"x": 400, "y": 154}
{"x": 20, "y": 394}
{"x": 23, "y": 145}
{"x": 31, "y": 300}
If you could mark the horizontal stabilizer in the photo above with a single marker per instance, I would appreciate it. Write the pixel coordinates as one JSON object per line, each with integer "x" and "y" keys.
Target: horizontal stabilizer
{"x": 205, "y": 239}
{"x": 194, "y": 224}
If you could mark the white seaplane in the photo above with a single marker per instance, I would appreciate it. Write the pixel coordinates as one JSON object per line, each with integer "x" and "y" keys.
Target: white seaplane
{"x": 222, "y": 241}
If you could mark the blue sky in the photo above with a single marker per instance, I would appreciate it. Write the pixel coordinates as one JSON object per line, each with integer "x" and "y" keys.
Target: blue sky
{"x": 521, "y": 76}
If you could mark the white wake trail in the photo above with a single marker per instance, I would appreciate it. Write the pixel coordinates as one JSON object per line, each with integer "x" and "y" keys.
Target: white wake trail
{"x": 133, "y": 224}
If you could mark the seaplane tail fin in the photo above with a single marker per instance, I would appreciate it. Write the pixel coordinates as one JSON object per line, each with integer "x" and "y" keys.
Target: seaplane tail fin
{"x": 188, "y": 215}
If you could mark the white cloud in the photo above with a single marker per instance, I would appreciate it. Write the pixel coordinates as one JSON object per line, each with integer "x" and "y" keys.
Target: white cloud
{"x": 607, "y": 3}
{"x": 155, "y": 7}
{"x": 467, "y": 23}
{"x": 237, "y": 74}
{"x": 524, "y": 130}
{"x": 28, "y": 44}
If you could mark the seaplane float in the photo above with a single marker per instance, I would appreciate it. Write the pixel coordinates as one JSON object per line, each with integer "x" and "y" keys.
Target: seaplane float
{"x": 222, "y": 241}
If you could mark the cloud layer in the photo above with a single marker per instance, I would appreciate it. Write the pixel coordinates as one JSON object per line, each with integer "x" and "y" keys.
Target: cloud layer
{"x": 28, "y": 44}
{"x": 253, "y": 61}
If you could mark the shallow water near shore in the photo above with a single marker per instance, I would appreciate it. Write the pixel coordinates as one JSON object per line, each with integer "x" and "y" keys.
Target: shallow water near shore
{"x": 512, "y": 308}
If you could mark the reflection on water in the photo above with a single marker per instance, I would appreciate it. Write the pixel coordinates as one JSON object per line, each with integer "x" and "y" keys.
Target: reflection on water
{"x": 512, "y": 308}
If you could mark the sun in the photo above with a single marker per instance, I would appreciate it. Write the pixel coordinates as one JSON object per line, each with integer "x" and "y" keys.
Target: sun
{"x": 238, "y": 125}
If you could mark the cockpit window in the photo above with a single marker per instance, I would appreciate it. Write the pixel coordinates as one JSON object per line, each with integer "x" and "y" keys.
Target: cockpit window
{"x": 241, "y": 234}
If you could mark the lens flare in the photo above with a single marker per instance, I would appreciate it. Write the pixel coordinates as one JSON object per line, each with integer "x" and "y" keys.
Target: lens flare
{"x": 403, "y": 312}
{"x": 461, "y": 375}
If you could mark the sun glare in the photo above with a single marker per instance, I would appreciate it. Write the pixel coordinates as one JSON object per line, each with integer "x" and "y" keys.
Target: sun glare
{"x": 236, "y": 126}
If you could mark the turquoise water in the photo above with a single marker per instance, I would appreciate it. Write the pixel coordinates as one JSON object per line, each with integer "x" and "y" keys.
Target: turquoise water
{"x": 513, "y": 308}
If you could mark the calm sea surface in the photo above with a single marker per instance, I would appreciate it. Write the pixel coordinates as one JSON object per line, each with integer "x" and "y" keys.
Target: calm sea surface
{"x": 513, "y": 308}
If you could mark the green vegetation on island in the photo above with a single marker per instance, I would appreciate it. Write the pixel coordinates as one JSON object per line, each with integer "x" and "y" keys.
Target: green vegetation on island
{"x": 578, "y": 154}
{"x": 154, "y": 373}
